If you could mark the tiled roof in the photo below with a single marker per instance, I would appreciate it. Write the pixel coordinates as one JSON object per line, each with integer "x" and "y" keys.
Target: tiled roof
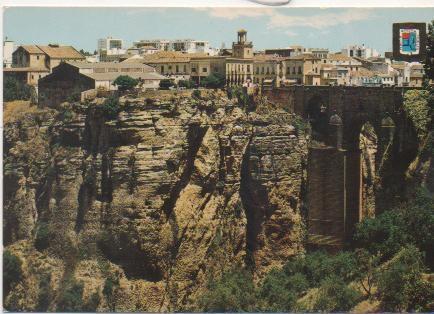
{"x": 111, "y": 76}
{"x": 25, "y": 69}
{"x": 61, "y": 52}
{"x": 339, "y": 57}
{"x": 117, "y": 65}
{"x": 362, "y": 72}
{"x": 303, "y": 57}
{"x": 267, "y": 57}
{"x": 32, "y": 49}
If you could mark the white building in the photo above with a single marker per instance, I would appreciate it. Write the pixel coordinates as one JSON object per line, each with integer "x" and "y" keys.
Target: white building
{"x": 8, "y": 48}
{"x": 181, "y": 45}
{"x": 111, "y": 45}
{"x": 360, "y": 51}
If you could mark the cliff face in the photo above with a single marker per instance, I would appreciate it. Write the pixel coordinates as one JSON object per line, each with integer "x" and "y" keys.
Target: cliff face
{"x": 168, "y": 194}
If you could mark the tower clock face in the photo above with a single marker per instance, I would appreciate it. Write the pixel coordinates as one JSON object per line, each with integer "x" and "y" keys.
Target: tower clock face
{"x": 409, "y": 41}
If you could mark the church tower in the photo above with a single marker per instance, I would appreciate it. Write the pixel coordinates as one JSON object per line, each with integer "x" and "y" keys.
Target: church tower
{"x": 242, "y": 48}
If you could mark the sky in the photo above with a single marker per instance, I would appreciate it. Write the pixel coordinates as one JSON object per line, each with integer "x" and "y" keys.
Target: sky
{"x": 332, "y": 28}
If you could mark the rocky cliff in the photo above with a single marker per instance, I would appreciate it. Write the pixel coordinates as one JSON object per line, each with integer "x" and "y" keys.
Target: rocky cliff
{"x": 142, "y": 209}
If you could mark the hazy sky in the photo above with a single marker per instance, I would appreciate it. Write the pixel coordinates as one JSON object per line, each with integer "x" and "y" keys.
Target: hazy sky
{"x": 267, "y": 27}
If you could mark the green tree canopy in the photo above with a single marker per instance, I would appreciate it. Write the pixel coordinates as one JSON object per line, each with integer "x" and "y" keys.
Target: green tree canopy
{"x": 125, "y": 82}
{"x": 14, "y": 89}
{"x": 214, "y": 80}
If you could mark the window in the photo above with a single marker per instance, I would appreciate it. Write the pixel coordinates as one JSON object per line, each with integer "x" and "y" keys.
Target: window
{"x": 37, "y": 57}
{"x": 193, "y": 70}
{"x": 185, "y": 68}
{"x": 268, "y": 70}
{"x": 169, "y": 67}
{"x": 299, "y": 70}
{"x": 325, "y": 61}
{"x": 293, "y": 70}
{"x": 248, "y": 68}
{"x": 262, "y": 70}
{"x": 257, "y": 70}
{"x": 32, "y": 77}
{"x": 162, "y": 69}
{"x": 288, "y": 71}
{"x": 40, "y": 75}
{"x": 177, "y": 68}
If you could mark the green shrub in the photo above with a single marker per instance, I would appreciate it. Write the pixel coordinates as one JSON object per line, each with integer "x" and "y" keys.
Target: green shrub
{"x": 43, "y": 236}
{"x": 12, "y": 271}
{"x": 44, "y": 295}
{"x": 214, "y": 80}
{"x": 411, "y": 223}
{"x": 110, "y": 286}
{"x": 196, "y": 94}
{"x": 279, "y": 293}
{"x": 14, "y": 89}
{"x": 417, "y": 109}
{"x": 186, "y": 83}
{"x": 125, "y": 82}
{"x": 233, "y": 292}
{"x": 111, "y": 108}
{"x": 71, "y": 299}
{"x": 166, "y": 83}
{"x": 92, "y": 304}
{"x": 400, "y": 286}
{"x": 335, "y": 296}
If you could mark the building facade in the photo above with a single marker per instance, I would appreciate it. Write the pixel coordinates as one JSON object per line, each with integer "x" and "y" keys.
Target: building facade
{"x": 239, "y": 67}
{"x": 73, "y": 78}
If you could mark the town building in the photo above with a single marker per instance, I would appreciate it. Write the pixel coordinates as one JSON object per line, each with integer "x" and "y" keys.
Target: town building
{"x": 32, "y": 62}
{"x": 8, "y": 49}
{"x": 70, "y": 79}
{"x": 109, "y": 44}
{"x": 267, "y": 69}
{"x": 416, "y": 75}
{"x": 359, "y": 51}
{"x": 285, "y": 52}
{"x": 239, "y": 67}
{"x": 180, "y": 45}
{"x": 320, "y": 53}
{"x": 302, "y": 69}
{"x": 183, "y": 66}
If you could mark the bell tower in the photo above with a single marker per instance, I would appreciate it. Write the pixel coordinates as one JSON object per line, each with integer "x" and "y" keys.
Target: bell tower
{"x": 242, "y": 49}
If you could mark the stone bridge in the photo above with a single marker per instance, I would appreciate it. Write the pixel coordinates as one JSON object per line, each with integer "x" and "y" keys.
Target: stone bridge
{"x": 347, "y": 178}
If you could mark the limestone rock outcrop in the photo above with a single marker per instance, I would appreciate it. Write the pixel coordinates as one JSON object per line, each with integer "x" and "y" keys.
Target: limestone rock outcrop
{"x": 169, "y": 193}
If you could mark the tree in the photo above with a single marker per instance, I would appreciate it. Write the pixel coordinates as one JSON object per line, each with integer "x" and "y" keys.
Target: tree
{"x": 279, "y": 293}
{"x": 410, "y": 223}
{"x": 14, "y": 89}
{"x": 111, "y": 108}
{"x": 111, "y": 285}
{"x": 43, "y": 236}
{"x": 335, "y": 296}
{"x": 44, "y": 295}
{"x": 186, "y": 83}
{"x": 233, "y": 292}
{"x": 125, "y": 82}
{"x": 71, "y": 299}
{"x": 429, "y": 61}
{"x": 166, "y": 83}
{"x": 400, "y": 286}
{"x": 367, "y": 268}
{"x": 214, "y": 80}
{"x": 12, "y": 271}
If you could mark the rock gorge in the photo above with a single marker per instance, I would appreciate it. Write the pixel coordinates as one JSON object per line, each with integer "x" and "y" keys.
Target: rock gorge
{"x": 167, "y": 195}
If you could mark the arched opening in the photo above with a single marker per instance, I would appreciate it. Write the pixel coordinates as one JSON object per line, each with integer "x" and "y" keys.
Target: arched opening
{"x": 317, "y": 113}
{"x": 368, "y": 144}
